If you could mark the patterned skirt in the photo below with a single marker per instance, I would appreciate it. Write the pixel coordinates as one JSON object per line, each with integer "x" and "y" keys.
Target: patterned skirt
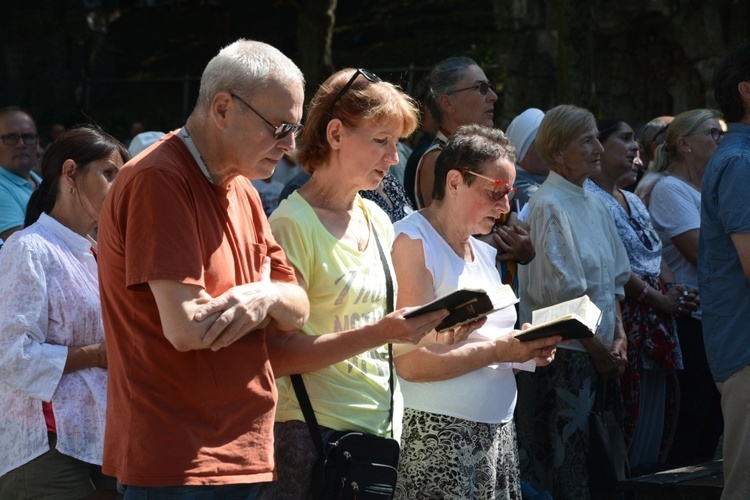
{"x": 653, "y": 345}
{"x": 552, "y": 418}
{"x": 445, "y": 457}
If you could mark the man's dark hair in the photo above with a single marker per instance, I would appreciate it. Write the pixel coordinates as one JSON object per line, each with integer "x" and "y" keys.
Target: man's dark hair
{"x": 733, "y": 70}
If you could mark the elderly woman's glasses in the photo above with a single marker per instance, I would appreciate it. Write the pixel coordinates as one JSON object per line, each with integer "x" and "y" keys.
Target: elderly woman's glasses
{"x": 372, "y": 77}
{"x": 716, "y": 133}
{"x": 279, "y": 131}
{"x": 483, "y": 87}
{"x": 500, "y": 189}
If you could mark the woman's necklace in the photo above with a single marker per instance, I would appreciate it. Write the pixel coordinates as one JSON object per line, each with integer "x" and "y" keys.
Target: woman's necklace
{"x": 361, "y": 241}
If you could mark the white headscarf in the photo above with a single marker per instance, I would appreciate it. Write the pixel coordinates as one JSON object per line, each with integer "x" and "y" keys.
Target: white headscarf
{"x": 522, "y": 131}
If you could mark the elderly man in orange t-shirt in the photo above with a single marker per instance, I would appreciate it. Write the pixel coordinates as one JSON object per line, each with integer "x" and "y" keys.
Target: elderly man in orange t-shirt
{"x": 192, "y": 279}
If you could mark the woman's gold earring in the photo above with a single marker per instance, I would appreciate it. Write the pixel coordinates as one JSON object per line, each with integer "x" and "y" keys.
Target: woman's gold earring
{"x": 71, "y": 190}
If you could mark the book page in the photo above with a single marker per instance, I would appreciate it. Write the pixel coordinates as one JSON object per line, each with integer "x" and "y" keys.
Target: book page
{"x": 526, "y": 366}
{"x": 581, "y": 307}
{"x": 502, "y": 297}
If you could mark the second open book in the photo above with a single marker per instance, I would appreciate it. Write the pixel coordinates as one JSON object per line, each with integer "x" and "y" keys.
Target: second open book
{"x": 573, "y": 319}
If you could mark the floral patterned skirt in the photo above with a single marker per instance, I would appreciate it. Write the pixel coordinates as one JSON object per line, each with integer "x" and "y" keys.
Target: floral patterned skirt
{"x": 445, "y": 457}
{"x": 653, "y": 345}
{"x": 552, "y": 419}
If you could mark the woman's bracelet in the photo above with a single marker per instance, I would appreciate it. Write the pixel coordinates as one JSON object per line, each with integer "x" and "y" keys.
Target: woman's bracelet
{"x": 670, "y": 285}
{"x": 643, "y": 294}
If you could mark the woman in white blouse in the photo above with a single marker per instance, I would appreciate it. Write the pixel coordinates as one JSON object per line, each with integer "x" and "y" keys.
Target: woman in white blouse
{"x": 53, "y": 378}
{"x": 578, "y": 253}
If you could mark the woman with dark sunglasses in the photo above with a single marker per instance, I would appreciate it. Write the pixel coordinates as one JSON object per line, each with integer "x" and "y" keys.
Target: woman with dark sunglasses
{"x": 675, "y": 207}
{"x": 332, "y": 236}
{"x": 652, "y": 299}
{"x": 459, "y": 438}
{"x": 459, "y": 93}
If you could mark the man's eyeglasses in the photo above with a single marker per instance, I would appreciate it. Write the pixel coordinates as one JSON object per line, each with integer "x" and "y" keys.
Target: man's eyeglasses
{"x": 372, "y": 77}
{"x": 500, "y": 189}
{"x": 12, "y": 139}
{"x": 716, "y": 133}
{"x": 279, "y": 131}
{"x": 483, "y": 87}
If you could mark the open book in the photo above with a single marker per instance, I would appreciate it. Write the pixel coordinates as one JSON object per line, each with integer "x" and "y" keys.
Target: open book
{"x": 573, "y": 319}
{"x": 466, "y": 305}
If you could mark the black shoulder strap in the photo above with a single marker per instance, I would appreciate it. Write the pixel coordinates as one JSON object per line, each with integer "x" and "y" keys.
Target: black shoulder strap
{"x": 389, "y": 308}
{"x": 307, "y": 411}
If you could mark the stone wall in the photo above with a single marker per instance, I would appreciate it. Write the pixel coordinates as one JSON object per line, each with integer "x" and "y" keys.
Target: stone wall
{"x": 631, "y": 59}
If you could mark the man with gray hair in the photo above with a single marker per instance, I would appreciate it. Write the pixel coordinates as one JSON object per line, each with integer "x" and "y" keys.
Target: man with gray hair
{"x": 192, "y": 281}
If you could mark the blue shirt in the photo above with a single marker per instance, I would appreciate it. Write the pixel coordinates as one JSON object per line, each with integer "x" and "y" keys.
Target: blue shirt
{"x": 14, "y": 196}
{"x": 725, "y": 291}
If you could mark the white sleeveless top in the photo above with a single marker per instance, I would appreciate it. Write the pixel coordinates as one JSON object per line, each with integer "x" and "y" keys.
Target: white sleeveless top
{"x": 485, "y": 395}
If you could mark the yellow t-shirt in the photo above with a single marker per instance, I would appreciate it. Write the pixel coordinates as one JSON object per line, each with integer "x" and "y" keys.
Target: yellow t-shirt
{"x": 347, "y": 290}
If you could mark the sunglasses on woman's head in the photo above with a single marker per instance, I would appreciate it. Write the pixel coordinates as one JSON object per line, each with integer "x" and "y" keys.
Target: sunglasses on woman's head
{"x": 483, "y": 87}
{"x": 372, "y": 77}
{"x": 500, "y": 189}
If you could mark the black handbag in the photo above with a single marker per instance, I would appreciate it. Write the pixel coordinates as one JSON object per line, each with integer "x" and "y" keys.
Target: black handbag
{"x": 353, "y": 464}
{"x": 608, "y": 455}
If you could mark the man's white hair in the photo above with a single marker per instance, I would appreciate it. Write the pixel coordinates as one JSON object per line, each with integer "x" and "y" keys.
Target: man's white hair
{"x": 244, "y": 67}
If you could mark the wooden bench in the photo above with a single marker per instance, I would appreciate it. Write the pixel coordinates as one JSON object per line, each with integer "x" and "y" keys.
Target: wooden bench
{"x": 696, "y": 482}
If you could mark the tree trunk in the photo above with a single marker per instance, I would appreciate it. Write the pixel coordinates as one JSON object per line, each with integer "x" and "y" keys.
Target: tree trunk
{"x": 575, "y": 53}
{"x": 314, "y": 36}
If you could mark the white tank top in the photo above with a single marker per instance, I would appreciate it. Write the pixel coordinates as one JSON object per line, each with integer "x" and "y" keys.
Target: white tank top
{"x": 485, "y": 395}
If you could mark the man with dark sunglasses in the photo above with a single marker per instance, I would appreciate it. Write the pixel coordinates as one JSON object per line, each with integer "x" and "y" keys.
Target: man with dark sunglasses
{"x": 192, "y": 281}
{"x": 18, "y": 154}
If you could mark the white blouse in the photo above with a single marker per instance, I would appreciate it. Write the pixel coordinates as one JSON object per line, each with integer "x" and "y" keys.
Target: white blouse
{"x": 50, "y": 300}
{"x": 578, "y": 251}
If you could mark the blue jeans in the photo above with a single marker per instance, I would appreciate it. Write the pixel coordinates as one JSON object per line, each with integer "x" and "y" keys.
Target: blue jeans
{"x": 223, "y": 492}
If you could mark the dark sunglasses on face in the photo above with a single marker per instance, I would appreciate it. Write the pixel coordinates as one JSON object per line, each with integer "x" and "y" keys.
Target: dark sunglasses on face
{"x": 369, "y": 75}
{"x": 12, "y": 139}
{"x": 279, "y": 131}
{"x": 483, "y": 87}
{"x": 500, "y": 188}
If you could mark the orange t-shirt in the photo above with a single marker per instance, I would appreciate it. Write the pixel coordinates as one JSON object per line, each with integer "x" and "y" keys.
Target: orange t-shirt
{"x": 183, "y": 418}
